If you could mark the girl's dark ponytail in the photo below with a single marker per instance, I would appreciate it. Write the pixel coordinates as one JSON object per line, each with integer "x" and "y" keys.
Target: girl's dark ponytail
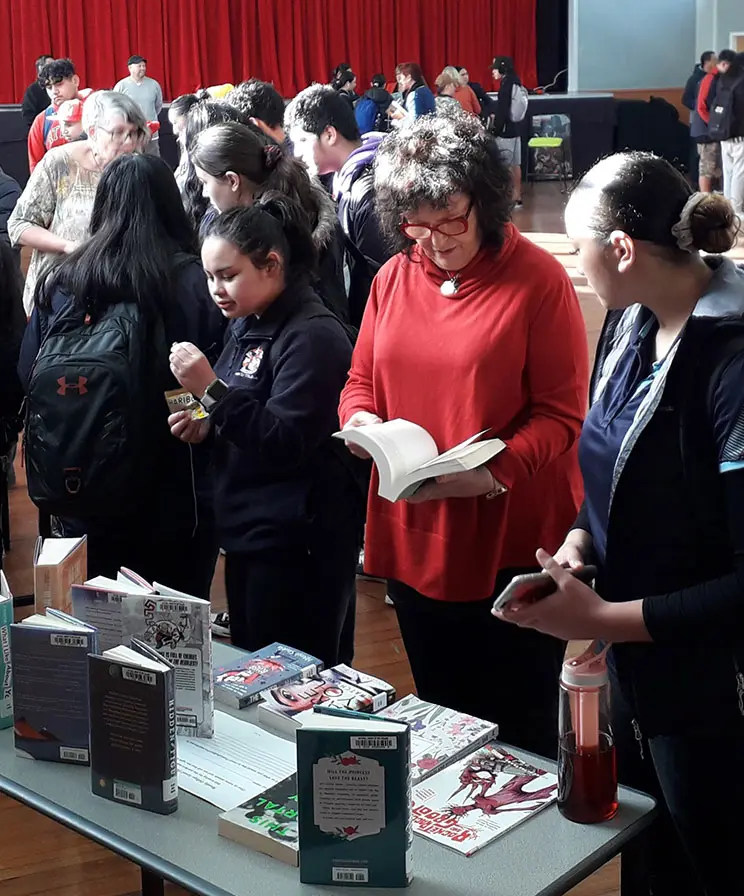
{"x": 295, "y": 224}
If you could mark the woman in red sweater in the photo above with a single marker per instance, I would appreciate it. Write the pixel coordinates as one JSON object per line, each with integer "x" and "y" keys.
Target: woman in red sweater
{"x": 470, "y": 327}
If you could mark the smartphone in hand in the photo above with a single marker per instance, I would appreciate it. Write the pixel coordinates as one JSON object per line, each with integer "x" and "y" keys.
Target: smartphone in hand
{"x": 535, "y": 586}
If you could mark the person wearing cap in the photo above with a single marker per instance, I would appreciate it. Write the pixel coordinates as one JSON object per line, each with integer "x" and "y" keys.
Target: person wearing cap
{"x": 70, "y": 118}
{"x": 146, "y": 92}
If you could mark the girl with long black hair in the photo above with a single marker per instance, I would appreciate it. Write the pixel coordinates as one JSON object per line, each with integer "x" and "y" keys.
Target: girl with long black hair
{"x": 288, "y": 506}
{"x": 142, "y": 251}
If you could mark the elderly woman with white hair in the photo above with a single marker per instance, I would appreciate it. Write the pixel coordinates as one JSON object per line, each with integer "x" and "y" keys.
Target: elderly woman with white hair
{"x": 53, "y": 212}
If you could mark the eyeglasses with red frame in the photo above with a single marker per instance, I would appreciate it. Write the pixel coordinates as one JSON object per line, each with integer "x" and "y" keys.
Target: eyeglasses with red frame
{"x": 451, "y": 227}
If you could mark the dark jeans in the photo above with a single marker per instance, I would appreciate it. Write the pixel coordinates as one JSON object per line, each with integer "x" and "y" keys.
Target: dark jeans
{"x": 306, "y": 599}
{"x": 185, "y": 563}
{"x": 466, "y": 659}
{"x": 694, "y": 847}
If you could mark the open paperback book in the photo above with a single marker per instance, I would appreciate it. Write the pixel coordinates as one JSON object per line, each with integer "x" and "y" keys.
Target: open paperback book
{"x": 406, "y": 455}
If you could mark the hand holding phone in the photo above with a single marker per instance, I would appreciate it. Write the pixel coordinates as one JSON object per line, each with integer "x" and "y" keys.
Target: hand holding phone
{"x": 535, "y": 586}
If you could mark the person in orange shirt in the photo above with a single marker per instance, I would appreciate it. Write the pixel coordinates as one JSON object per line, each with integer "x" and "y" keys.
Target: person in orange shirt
{"x": 451, "y": 83}
{"x": 62, "y": 83}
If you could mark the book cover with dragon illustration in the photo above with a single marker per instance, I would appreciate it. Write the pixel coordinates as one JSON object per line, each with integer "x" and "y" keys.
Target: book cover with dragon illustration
{"x": 439, "y": 735}
{"x": 468, "y": 804}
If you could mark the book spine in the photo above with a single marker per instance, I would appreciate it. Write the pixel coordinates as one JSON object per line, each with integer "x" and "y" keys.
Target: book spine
{"x": 408, "y": 779}
{"x": 6, "y": 682}
{"x": 170, "y": 778}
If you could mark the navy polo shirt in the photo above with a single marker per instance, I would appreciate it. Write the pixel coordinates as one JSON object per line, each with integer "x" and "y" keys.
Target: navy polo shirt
{"x": 607, "y": 424}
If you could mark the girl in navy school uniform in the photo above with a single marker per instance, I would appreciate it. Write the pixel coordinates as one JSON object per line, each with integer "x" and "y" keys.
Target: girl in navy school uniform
{"x": 288, "y": 505}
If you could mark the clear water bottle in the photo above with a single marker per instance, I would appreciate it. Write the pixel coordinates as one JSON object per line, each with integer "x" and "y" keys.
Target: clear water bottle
{"x": 587, "y": 771}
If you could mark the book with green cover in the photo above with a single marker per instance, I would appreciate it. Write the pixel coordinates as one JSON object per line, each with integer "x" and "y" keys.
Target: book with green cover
{"x": 353, "y": 787}
{"x": 6, "y": 683}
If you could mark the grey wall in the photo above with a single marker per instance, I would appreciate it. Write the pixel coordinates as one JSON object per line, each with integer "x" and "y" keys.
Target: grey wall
{"x": 729, "y": 18}
{"x": 632, "y": 44}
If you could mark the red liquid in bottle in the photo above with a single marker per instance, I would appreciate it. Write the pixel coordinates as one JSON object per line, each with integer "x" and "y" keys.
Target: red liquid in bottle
{"x": 587, "y": 781}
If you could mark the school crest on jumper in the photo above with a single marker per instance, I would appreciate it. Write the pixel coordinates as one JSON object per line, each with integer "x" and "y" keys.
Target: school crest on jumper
{"x": 251, "y": 363}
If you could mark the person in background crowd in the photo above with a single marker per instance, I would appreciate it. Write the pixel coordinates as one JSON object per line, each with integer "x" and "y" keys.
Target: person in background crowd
{"x": 53, "y": 213}
{"x": 262, "y": 104}
{"x": 460, "y": 90}
{"x": 709, "y": 151}
{"x": 61, "y": 83}
{"x": 10, "y": 192}
{"x": 142, "y": 249}
{"x": 237, "y": 163}
{"x": 35, "y": 99}
{"x": 706, "y": 65}
{"x": 177, "y": 113}
{"x": 478, "y": 89}
{"x": 325, "y": 137}
{"x": 201, "y": 116}
{"x": 663, "y": 463}
{"x": 447, "y": 83}
{"x": 731, "y": 80}
{"x": 507, "y": 132}
{"x": 416, "y": 97}
{"x": 345, "y": 83}
{"x": 70, "y": 117}
{"x": 371, "y": 110}
{"x": 146, "y": 92}
{"x": 338, "y": 71}
{"x": 467, "y": 303}
{"x": 12, "y": 325}
{"x": 288, "y": 507}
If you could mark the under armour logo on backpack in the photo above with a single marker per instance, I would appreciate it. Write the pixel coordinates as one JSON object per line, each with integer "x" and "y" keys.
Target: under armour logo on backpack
{"x": 79, "y": 386}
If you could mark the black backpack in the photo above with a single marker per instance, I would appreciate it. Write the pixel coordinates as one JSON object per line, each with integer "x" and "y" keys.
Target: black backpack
{"x": 90, "y": 408}
{"x": 721, "y": 124}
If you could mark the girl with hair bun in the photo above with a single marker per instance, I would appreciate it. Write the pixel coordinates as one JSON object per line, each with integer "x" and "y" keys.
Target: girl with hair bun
{"x": 288, "y": 505}
{"x": 237, "y": 163}
{"x": 662, "y": 457}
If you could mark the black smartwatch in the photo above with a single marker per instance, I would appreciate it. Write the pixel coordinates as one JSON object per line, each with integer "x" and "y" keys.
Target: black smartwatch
{"x": 212, "y": 394}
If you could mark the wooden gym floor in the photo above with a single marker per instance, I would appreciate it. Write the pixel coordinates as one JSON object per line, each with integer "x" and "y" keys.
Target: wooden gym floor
{"x": 39, "y": 857}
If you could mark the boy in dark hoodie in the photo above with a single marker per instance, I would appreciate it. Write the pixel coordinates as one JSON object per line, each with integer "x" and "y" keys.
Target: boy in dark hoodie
{"x": 325, "y": 136}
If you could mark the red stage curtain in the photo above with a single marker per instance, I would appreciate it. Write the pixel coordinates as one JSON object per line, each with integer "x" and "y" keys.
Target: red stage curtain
{"x": 191, "y": 43}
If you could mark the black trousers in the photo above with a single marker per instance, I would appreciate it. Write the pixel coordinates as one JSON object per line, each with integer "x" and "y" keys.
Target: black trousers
{"x": 184, "y": 562}
{"x": 464, "y": 658}
{"x": 697, "y": 778}
{"x": 303, "y": 598}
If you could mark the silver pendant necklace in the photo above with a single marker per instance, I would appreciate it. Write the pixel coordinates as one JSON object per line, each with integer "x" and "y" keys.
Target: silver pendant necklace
{"x": 449, "y": 287}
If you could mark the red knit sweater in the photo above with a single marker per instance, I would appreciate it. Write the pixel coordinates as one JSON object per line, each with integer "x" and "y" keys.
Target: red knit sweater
{"x": 508, "y": 353}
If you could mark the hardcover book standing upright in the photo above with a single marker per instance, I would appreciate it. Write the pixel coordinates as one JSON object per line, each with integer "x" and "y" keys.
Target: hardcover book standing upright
{"x": 133, "y": 728}
{"x": 353, "y": 784}
{"x": 6, "y": 687}
{"x": 50, "y": 687}
{"x": 174, "y": 624}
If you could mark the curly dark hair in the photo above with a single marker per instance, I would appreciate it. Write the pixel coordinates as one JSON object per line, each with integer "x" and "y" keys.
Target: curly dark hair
{"x": 429, "y": 160}
{"x": 258, "y": 99}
